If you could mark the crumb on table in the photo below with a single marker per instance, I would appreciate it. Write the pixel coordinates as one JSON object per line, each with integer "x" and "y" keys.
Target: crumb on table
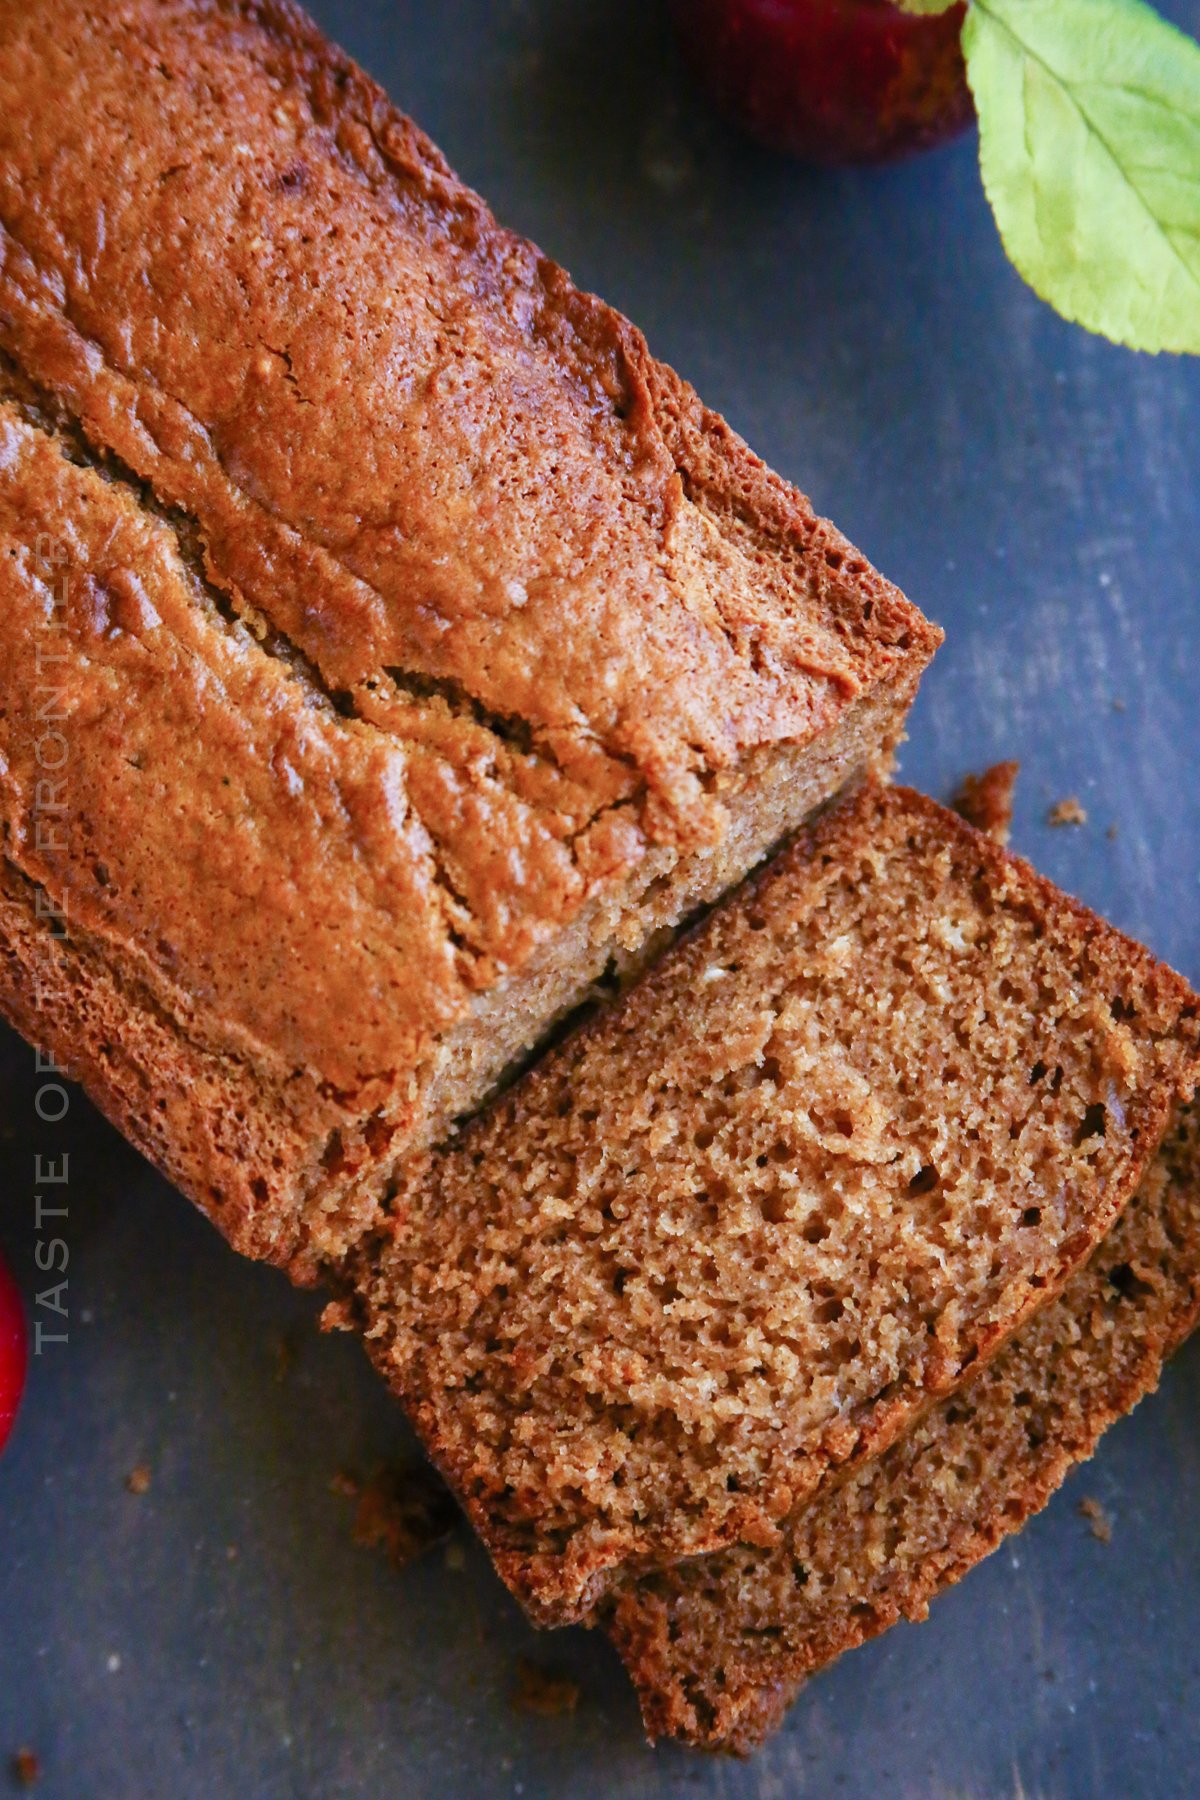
{"x": 986, "y": 800}
{"x": 138, "y": 1479}
{"x": 401, "y": 1511}
{"x": 543, "y": 1692}
{"x": 26, "y": 1767}
{"x": 1068, "y": 811}
{"x": 1099, "y": 1520}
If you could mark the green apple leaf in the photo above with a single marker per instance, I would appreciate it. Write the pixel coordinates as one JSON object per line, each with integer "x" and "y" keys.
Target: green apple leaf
{"x": 1089, "y": 146}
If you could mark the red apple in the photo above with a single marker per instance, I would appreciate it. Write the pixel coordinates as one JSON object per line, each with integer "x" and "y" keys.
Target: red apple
{"x": 830, "y": 80}
{"x": 14, "y": 1352}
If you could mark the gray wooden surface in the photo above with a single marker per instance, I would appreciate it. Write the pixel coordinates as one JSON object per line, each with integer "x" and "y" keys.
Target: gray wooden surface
{"x": 1037, "y": 492}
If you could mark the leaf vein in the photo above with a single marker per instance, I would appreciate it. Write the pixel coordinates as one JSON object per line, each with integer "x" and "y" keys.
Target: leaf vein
{"x": 1069, "y": 88}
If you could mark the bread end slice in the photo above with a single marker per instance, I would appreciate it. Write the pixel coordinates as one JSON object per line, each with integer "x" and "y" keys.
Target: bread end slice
{"x": 719, "y": 1648}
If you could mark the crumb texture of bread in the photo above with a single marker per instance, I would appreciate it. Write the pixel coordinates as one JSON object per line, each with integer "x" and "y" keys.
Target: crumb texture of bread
{"x": 428, "y": 643}
{"x": 730, "y": 1239}
{"x": 718, "y": 1648}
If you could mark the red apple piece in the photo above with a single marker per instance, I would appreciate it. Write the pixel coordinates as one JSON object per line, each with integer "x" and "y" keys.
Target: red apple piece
{"x": 14, "y": 1352}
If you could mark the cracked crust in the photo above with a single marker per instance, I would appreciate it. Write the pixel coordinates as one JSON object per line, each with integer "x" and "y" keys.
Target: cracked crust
{"x": 719, "y": 1648}
{"x": 728, "y": 1241}
{"x": 530, "y": 653}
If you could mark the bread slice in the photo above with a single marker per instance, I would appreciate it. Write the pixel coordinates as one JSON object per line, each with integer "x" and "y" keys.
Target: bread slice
{"x": 732, "y": 1237}
{"x": 719, "y": 1648}
{"x": 493, "y": 652}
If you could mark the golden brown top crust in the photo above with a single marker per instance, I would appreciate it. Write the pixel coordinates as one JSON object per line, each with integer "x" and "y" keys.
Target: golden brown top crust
{"x": 731, "y": 1237}
{"x": 294, "y": 872}
{"x": 551, "y": 604}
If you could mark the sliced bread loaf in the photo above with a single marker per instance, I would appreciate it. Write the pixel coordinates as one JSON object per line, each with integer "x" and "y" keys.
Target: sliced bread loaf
{"x": 733, "y": 1236}
{"x": 719, "y": 1647}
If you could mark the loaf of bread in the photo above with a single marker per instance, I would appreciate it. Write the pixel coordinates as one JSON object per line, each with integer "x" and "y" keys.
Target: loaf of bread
{"x": 718, "y": 1648}
{"x": 390, "y": 646}
{"x": 733, "y": 1236}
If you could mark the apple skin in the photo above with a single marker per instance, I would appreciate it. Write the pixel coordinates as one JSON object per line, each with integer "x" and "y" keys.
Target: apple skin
{"x": 830, "y": 81}
{"x": 14, "y": 1352}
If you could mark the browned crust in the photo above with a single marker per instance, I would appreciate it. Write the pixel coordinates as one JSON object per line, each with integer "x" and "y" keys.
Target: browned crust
{"x": 203, "y": 1119}
{"x": 566, "y": 1584}
{"x": 713, "y": 459}
{"x": 715, "y": 462}
{"x": 727, "y": 1691}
